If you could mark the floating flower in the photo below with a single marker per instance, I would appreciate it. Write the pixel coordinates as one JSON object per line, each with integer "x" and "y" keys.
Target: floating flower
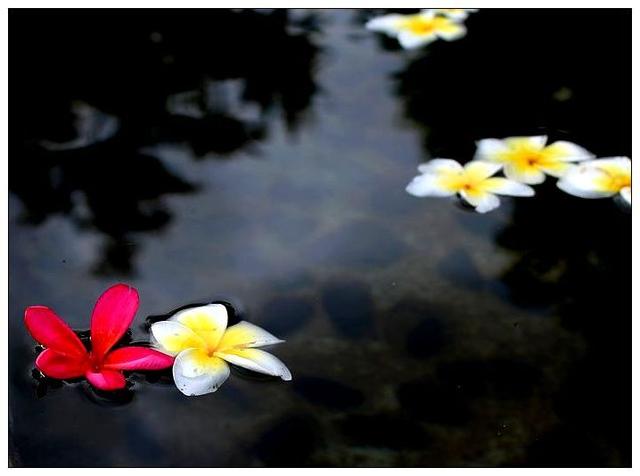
{"x": 413, "y": 31}
{"x": 599, "y": 178}
{"x": 457, "y": 14}
{"x": 65, "y": 356}
{"x": 201, "y": 342}
{"x": 474, "y": 183}
{"x": 528, "y": 159}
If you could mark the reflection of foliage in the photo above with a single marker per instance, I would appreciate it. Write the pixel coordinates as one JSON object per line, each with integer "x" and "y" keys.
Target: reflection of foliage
{"x": 91, "y": 90}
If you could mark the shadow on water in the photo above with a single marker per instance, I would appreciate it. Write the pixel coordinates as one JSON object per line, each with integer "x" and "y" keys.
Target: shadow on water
{"x": 91, "y": 91}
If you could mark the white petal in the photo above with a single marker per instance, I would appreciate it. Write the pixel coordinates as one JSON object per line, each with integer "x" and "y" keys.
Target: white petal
{"x": 209, "y": 321}
{"x": 458, "y": 32}
{"x": 440, "y": 165}
{"x": 582, "y": 181}
{"x": 258, "y": 361}
{"x": 481, "y": 168}
{"x": 483, "y": 203}
{"x": 389, "y": 24}
{"x": 535, "y": 142}
{"x": 504, "y": 186}
{"x": 623, "y": 163}
{"x": 530, "y": 176}
{"x": 410, "y": 40}
{"x": 192, "y": 378}
{"x": 245, "y": 334}
{"x": 489, "y": 149}
{"x": 171, "y": 337}
{"x": 626, "y": 194}
{"x": 570, "y": 152}
{"x": 427, "y": 185}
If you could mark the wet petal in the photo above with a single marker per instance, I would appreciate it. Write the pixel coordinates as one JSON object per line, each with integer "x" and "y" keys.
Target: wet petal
{"x": 568, "y": 151}
{"x": 106, "y": 379}
{"x": 172, "y": 337}
{"x": 209, "y": 321}
{"x": 137, "y": 358}
{"x": 504, "y": 186}
{"x": 585, "y": 181}
{"x": 112, "y": 316}
{"x": 524, "y": 174}
{"x": 428, "y": 185}
{"x": 483, "y": 201}
{"x": 410, "y": 40}
{"x": 60, "y": 366}
{"x": 490, "y": 149}
{"x": 52, "y": 332}
{"x": 480, "y": 169}
{"x": 258, "y": 361}
{"x": 626, "y": 194}
{"x": 438, "y": 166}
{"x": 195, "y": 373}
{"x": 245, "y": 334}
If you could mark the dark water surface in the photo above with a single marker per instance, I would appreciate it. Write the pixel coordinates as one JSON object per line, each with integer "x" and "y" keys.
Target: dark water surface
{"x": 261, "y": 158}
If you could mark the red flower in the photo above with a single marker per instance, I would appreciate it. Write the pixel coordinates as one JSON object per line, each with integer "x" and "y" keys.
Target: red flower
{"x": 65, "y": 356}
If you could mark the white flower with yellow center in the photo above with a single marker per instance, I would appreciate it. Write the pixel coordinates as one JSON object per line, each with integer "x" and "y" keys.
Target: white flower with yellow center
{"x": 419, "y": 29}
{"x": 202, "y": 344}
{"x": 473, "y": 182}
{"x": 528, "y": 159}
{"x": 457, "y": 14}
{"x": 599, "y": 178}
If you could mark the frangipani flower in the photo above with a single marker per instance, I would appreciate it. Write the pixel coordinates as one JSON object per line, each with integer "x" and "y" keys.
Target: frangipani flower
{"x": 65, "y": 356}
{"x": 528, "y": 159}
{"x": 599, "y": 178}
{"x": 457, "y": 14}
{"x": 413, "y": 31}
{"x": 474, "y": 183}
{"x": 202, "y": 344}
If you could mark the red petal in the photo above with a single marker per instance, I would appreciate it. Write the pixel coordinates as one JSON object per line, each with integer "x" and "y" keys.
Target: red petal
{"x": 111, "y": 317}
{"x": 106, "y": 379}
{"x": 137, "y": 358}
{"x": 49, "y": 330}
{"x": 60, "y": 366}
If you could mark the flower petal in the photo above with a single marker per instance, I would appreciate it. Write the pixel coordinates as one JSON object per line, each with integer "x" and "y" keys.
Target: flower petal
{"x": 172, "y": 337}
{"x": 452, "y": 31}
{"x": 60, "y": 366}
{"x": 195, "y": 373}
{"x": 258, "y": 361}
{"x": 490, "y": 149}
{"x": 568, "y": 151}
{"x": 209, "y": 321}
{"x": 480, "y": 170}
{"x": 504, "y": 186}
{"x": 483, "y": 202}
{"x": 388, "y": 24}
{"x": 106, "y": 379}
{"x": 438, "y": 166}
{"x": 626, "y": 194}
{"x": 529, "y": 142}
{"x": 612, "y": 164}
{"x": 112, "y": 316}
{"x": 410, "y": 40}
{"x": 428, "y": 185}
{"x": 585, "y": 181}
{"x": 528, "y": 175}
{"x": 245, "y": 334}
{"x": 137, "y": 358}
{"x": 52, "y": 332}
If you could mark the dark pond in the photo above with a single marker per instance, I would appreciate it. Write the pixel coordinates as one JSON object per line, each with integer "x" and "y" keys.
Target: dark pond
{"x": 261, "y": 158}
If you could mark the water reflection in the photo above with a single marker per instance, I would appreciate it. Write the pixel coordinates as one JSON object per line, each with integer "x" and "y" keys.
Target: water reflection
{"x": 159, "y": 80}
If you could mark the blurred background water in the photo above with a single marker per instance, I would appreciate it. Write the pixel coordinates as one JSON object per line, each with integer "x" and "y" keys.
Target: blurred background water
{"x": 260, "y": 157}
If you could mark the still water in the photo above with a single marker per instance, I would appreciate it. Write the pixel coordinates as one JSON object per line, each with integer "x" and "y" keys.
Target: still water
{"x": 260, "y": 158}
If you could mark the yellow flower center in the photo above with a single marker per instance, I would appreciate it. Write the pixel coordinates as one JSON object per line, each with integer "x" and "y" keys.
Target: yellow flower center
{"x": 614, "y": 178}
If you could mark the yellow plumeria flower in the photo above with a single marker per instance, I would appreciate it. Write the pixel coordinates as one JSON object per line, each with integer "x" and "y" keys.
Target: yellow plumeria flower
{"x": 457, "y": 14}
{"x": 202, "y": 344}
{"x": 413, "y": 31}
{"x": 528, "y": 159}
{"x": 473, "y": 182}
{"x": 599, "y": 178}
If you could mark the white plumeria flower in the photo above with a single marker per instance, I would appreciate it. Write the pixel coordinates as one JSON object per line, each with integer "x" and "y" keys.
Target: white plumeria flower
{"x": 457, "y": 14}
{"x": 202, "y": 344}
{"x": 419, "y": 29}
{"x": 474, "y": 183}
{"x": 528, "y": 159}
{"x": 599, "y": 178}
